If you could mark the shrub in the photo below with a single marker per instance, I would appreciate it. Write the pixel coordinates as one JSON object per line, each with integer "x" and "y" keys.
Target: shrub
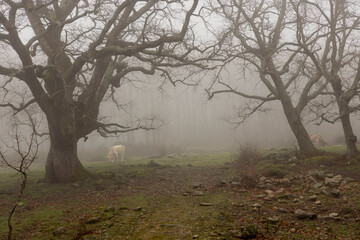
{"x": 248, "y": 152}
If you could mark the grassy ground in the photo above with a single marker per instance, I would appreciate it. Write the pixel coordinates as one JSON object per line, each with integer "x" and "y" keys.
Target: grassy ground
{"x": 182, "y": 197}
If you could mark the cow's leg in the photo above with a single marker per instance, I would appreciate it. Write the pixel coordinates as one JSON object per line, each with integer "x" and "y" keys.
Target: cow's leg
{"x": 122, "y": 156}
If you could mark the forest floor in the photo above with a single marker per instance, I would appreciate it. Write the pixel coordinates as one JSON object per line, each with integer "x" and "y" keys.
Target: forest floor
{"x": 192, "y": 196}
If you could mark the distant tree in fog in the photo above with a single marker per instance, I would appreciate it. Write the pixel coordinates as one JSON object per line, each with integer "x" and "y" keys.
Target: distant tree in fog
{"x": 334, "y": 28}
{"x": 72, "y": 54}
{"x": 260, "y": 41}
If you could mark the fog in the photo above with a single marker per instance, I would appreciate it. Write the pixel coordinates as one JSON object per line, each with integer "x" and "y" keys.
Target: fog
{"x": 192, "y": 122}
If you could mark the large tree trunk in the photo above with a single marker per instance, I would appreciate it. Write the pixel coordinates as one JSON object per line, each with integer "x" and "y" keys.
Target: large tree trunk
{"x": 62, "y": 164}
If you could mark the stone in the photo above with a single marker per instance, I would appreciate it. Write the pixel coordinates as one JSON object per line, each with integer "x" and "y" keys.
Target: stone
{"x": 273, "y": 219}
{"x": 262, "y": 179}
{"x": 324, "y": 217}
{"x": 235, "y": 184}
{"x": 347, "y": 180}
{"x": 337, "y": 178}
{"x": 223, "y": 182}
{"x": 331, "y": 182}
{"x": 248, "y": 232}
{"x": 260, "y": 196}
{"x": 109, "y": 209}
{"x": 75, "y": 185}
{"x": 256, "y": 205}
{"x": 329, "y": 175}
{"x": 188, "y": 193}
{"x": 313, "y": 179}
{"x": 317, "y": 185}
{"x": 282, "y": 210}
{"x": 319, "y": 175}
{"x": 93, "y": 220}
{"x": 285, "y": 181}
{"x": 333, "y": 215}
{"x": 269, "y": 186}
{"x": 269, "y": 191}
{"x": 301, "y": 214}
{"x": 270, "y": 197}
{"x": 292, "y": 230}
{"x": 324, "y": 192}
{"x": 313, "y": 198}
{"x": 242, "y": 190}
{"x": 196, "y": 185}
{"x": 293, "y": 159}
{"x": 318, "y": 202}
{"x": 137, "y": 209}
{"x": 284, "y": 196}
{"x": 59, "y": 231}
{"x": 335, "y": 193}
{"x": 205, "y": 204}
{"x": 198, "y": 193}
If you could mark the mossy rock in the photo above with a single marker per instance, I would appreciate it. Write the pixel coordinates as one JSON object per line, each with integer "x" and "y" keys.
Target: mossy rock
{"x": 249, "y": 232}
{"x": 277, "y": 156}
{"x": 273, "y": 170}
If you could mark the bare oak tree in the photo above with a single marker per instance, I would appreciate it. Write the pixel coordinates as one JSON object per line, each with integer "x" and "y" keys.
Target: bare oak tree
{"x": 260, "y": 41}
{"x": 72, "y": 54}
{"x": 333, "y": 27}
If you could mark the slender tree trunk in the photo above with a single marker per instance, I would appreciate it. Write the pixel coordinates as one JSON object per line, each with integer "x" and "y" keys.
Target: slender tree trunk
{"x": 305, "y": 144}
{"x": 344, "y": 111}
{"x": 350, "y": 138}
{"x": 292, "y": 114}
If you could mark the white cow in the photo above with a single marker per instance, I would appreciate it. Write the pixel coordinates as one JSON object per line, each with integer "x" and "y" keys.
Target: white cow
{"x": 116, "y": 151}
{"x": 318, "y": 140}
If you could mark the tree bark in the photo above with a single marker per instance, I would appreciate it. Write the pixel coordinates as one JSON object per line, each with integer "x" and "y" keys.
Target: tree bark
{"x": 305, "y": 144}
{"x": 292, "y": 114}
{"x": 62, "y": 164}
{"x": 350, "y": 138}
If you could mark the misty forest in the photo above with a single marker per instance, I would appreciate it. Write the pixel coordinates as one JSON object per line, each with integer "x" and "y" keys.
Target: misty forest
{"x": 179, "y": 119}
